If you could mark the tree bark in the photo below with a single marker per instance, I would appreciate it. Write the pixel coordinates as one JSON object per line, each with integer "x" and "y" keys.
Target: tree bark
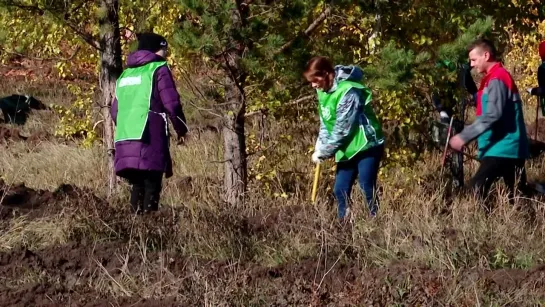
{"x": 235, "y": 179}
{"x": 234, "y": 140}
{"x": 110, "y": 69}
{"x": 235, "y": 176}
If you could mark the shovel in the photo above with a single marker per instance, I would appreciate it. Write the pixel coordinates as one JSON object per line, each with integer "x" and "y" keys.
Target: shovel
{"x": 315, "y": 183}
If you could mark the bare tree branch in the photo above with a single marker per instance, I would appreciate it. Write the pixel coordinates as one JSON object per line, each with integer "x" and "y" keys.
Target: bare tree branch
{"x": 274, "y": 144}
{"x": 291, "y": 103}
{"x": 42, "y": 59}
{"x": 313, "y": 26}
{"x": 196, "y": 92}
{"x": 87, "y": 37}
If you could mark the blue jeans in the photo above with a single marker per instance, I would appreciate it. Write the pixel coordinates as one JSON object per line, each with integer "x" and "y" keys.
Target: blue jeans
{"x": 366, "y": 164}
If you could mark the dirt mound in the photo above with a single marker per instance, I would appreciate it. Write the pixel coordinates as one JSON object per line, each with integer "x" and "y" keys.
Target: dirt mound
{"x": 20, "y": 200}
{"x": 273, "y": 219}
{"x": 65, "y": 273}
{"x": 51, "y": 295}
{"x": 329, "y": 283}
{"x": 73, "y": 274}
{"x": 94, "y": 217}
{"x": 118, "y": 259}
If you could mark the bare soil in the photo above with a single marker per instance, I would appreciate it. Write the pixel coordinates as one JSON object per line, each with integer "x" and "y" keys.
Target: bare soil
{"x": 72, "y": 274}
{"x": 69, "y": 270}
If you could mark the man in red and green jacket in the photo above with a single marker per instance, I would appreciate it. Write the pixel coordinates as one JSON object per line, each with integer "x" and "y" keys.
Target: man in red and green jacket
{"x": 499, "y": 128}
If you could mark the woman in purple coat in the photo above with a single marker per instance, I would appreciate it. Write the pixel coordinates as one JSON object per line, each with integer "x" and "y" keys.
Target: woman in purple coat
{"x": 145, "y": 97}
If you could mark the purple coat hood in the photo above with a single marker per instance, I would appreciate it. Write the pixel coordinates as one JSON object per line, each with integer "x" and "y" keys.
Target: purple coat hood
{"x": 152, "y": 151}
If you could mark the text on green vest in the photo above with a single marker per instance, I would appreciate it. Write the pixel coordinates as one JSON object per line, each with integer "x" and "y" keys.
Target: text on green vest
{"x": 133, "y": 92}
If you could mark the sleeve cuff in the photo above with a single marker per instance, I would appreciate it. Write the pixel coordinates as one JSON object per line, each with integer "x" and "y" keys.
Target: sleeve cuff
{"x": 466, "y": 137}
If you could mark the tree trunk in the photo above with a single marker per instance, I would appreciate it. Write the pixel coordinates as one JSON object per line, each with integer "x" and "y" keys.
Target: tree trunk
{"x": 234, "y": 140}
{"x": 110, "y": 69}
{"x": 235, "y": 178}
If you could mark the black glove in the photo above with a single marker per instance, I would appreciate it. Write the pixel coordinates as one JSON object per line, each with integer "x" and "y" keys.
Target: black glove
{"x": 536, "y": 91}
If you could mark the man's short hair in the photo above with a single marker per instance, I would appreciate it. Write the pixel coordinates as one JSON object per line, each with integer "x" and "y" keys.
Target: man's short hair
{"x": 485, "y": 45}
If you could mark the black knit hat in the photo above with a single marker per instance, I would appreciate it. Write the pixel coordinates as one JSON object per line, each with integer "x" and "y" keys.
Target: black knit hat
{"x": 151, "y": 42}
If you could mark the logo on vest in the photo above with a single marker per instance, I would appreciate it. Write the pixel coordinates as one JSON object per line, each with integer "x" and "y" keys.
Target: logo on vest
{"x": 129, "y": 81}
{"x": 326, "y": 113}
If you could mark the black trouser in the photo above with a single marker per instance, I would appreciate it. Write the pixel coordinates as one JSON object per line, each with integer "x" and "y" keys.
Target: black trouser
{"x": 146, "y": 190}
{"x": 492, "y": 169}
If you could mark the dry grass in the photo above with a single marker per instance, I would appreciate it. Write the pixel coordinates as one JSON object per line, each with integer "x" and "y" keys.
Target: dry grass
{"x": 50, "y": 164}
{"x": 37, "y": 233}
{"x": 216, "y": 247}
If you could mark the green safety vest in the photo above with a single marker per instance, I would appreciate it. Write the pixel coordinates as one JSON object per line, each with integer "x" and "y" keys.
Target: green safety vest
{"x": 366, "y": 136}
{"x": 133, "y": 91}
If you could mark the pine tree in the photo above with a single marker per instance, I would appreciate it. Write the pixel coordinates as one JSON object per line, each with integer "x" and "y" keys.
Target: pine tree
{"x": 421, "y": 75}
{"x": 257, "y": 43}
{"x": 455, "y": 53}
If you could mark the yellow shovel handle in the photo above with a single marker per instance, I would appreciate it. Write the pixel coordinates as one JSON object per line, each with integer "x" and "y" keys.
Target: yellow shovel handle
{"x": 315, "y": 184}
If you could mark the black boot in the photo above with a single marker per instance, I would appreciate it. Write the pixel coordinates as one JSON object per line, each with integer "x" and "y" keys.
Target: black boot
{"x": 153, "y": 185}
{"x": 137, "y": 199}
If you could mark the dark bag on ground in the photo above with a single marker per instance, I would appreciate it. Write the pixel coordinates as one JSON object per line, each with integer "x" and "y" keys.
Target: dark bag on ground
{"x": 16, "y": 108}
